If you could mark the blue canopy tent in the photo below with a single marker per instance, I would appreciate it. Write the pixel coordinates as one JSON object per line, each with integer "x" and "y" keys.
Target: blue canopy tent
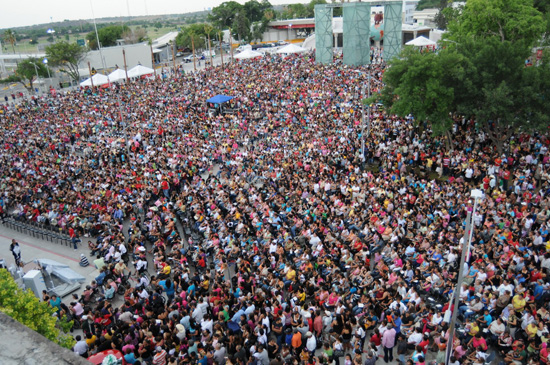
{"x": 219, "y": 99}
{"x": 217, "y": 104}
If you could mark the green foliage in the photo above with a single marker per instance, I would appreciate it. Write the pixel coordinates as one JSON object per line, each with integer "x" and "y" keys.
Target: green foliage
{"x": 222, "y": 16}
{"x": 197, "y": 31}
{"x": 66, "y": 56}
{"x": 107, "y": 36}
{"x": 294, "y": 11}
{"x": 247, "y": 22}
{"x": 480, "y": 73}
{"x": 422, "y": 83}
{"x": 27, "y": 309}
{"x": 516, "y": 21}
{"x": 26, "y": 72}
{"x": 446, "y": 14}
{"x": 10, "y": 37}
{"x": 428, "y": 4}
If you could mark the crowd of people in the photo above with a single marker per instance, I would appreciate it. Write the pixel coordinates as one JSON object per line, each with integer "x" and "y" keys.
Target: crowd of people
{"x": 296, "y": 248}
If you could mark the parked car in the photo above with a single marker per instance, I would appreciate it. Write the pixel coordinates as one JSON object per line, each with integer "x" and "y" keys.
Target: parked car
{"x": 188, "y": 59}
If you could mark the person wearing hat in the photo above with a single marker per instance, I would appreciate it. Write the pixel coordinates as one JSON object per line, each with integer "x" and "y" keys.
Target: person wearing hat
{"x": 160, "y": 356}
{"x": 180, "y": 331}
{"x": 311, "y": 343}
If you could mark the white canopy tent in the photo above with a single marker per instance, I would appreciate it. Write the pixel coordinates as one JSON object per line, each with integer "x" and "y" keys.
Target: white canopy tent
{"x": 98, "y": 79}
{"x": 140, "y": 70}
{"x": 247, "y": 54}
{"x": 420, "y": 41}
{"x": 117, "y": 75}
{"x": 291, "y": 48}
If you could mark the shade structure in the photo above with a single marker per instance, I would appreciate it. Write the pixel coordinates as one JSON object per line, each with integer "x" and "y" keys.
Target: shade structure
{"x": 247, "y": 54}
{"x": 117, "y": 75}
{"x": 291, "y": 48}
{"x": 420, "y": 42}
{"x": 98, "y": 79}
{"x": 219, "y": 99}
{"x": 140, "y": 70}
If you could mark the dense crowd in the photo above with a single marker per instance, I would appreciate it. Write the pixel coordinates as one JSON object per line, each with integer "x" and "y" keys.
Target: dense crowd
{"x": 299, "y": 249}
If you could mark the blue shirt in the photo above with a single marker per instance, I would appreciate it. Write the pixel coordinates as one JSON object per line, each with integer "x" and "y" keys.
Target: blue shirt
{"x": 130, "y": 358}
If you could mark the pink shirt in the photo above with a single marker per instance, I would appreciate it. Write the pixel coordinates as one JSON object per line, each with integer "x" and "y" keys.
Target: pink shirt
{"x": 388, "y": 338}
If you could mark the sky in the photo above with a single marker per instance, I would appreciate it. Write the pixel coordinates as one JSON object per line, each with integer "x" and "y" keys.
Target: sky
{"x": 30, "y": 12}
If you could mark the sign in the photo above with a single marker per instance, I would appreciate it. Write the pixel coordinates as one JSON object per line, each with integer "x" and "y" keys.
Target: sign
{"x": 81, "y": 42}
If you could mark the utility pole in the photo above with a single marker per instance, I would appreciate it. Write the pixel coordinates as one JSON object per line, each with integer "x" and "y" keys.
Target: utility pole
{"x": 468, "y": 234}
{"x": 174, "y": 56}
{"x": 221, "y": 48}
{"x": 126, "y": 67}
{"x": 456, "y": 293}
{"x": 210, "y": 51}
{"x": 193, "y": 48}
{"x": 363, "y": 121}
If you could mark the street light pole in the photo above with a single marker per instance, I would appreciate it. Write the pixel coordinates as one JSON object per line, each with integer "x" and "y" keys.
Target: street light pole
{"x": 45, "y": 61}
{"x": 468, "y": 234}
{"x": 97, "y": 39}
{"x": 35, "y": 70}
{"x": 363, "y": 121}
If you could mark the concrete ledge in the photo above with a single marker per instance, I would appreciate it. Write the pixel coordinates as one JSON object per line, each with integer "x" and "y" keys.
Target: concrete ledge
{"x": 22, "y": 346}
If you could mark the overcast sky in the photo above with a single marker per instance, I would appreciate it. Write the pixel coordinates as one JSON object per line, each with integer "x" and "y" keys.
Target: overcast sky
{"x": 30, "y": 12}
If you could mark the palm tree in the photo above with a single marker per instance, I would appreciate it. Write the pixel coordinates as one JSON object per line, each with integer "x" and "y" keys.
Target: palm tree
{"x": 9, "y": 36}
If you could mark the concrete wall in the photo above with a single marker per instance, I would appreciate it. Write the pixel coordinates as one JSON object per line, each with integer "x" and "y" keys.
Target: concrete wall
{"x": 22, "y": 346}
{"x": 135, "y": 53}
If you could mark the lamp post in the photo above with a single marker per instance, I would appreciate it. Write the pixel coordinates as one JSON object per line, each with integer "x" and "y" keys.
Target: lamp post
{"x": 288, "y": 31}
{"x": 35, "y": 70}
{"x": 45, "y": 61}
{"x": 97, "y": 38}
{"x": 363, "y": 121}
{"x": 468, "y": 234}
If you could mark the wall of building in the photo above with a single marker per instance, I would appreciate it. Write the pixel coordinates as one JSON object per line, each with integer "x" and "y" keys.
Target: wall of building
{"x": 135, "y": 53}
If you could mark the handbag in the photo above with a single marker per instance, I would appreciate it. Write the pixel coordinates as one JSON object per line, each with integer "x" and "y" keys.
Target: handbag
{"x": 338, "y": 353}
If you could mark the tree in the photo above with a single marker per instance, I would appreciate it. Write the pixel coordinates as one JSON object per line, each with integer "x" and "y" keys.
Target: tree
{"x": 133, "y": 36}
{"x": 428, "y": 4}
{"x": 517, "y": 21}
{"x": 198, "y": 32}
{"x": 9, "y": 37}
{"x": 241, "y": 27}
{"x": 26, "y": 73}
{"x": 66, "y": 56}
{"x": 421, "y": 83}
{"x": 446, "y": 14}
{"x": 107, "y": 36}
{"x": 479, "y": 74}
{"x": 223, "y": 16}
{"x": 27, "y": 309}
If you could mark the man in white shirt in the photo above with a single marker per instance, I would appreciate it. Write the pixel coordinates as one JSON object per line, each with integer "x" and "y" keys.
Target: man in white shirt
{"x": 80, "y": 348}
{"x": 414, "y": 338}
{"x": 311, "y": 343}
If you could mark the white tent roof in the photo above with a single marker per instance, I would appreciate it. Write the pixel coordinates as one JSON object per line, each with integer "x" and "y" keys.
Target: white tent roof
{"x": 98, "y": 79}
{"x": 420, "y": 42}
{"x": 291, "y": 48}
{"x": 140, "y": 70}
{"x": 248, "y": 53}
{"x": 117, "y": 75}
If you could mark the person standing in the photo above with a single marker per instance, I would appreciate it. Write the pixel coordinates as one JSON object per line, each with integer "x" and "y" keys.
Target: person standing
{"x": 16, "y": 252}
{"x": 388, "y": 342}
